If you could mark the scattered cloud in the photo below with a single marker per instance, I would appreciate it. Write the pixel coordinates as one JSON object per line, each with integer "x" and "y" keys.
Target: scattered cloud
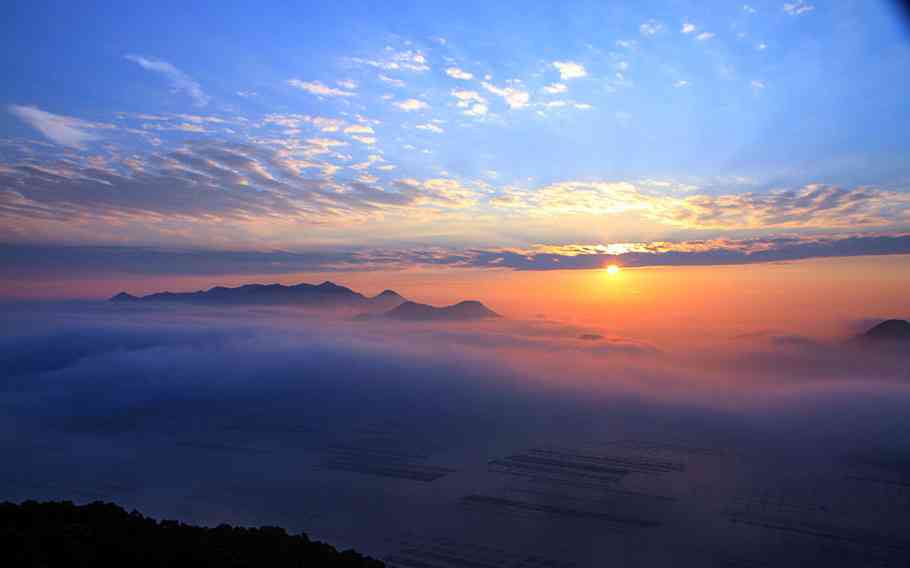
{"x": 570, "y": 70}
{"x": 412, "y": 105}
{"x": 318, "y": 89}
{"x": 466, "y": 97}
{"x": 391, "y": 81}
{"x": 179, "y": 80}
{"x": 393, "y": 60}
{"x": 430, "y": 127}
{"x": 704, "y": 36}
{"x": 457, "y": 73}
{"x": 749, "y": 9}
{"x": 688, "y": 28}
{"x": 797, "y": 8}
{"x": 756, "y": 84}
{"x": 516, "y": 98}
{"x": 476, "y": 109}
{"x": 650, "y": 28}
{"x": 680, "y": 83}
{"x": 556, "y": 88}
{"x": 811, "y": 206}
{"x": 358, "y": 129}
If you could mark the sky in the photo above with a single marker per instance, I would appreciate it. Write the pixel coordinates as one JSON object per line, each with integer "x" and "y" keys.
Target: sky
{"x": 743, "y": 164}
{"x": 228, "y": 138}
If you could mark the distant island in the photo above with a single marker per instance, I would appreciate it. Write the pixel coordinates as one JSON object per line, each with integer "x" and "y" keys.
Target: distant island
{"x": 890, "y": 331}
{"x": 328, "y": 294}
{"x": 462, "y": 311}
{"x": 103, "y": 534}
{"x": 388, "y": 304}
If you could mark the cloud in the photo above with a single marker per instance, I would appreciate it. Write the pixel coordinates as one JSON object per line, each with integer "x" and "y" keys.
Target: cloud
{"x": 756, "y": 84}
{"x": 393, "y": 60}
{"x": 467, "y": 97}
{"x": 412, "y": 105}
{"x": 814, "y": 205}
{"x": 514, "y": 97}
{"x": 680, "y": 83}
{"x": 430, "y": 127}
{"x": 650, "y": 28}
{"x": 477, "y": 109}
{"x": 67, "y": 261}
{"x": 570, "y": 70}
{"x": 749, "y": 9}
{"x": 368, "y": 140}
{"x": 688, "y": 28}
{"x": 391, "y": 81}
{"x": 810, "y": 206}
{"x": 704, "y": 36}
{"x": 180, "y": 81}
{"x": 556, "y": 88}
{"x": 358, "y": 129}
{"x": 208, "y": 191}
{"x": 685, "y": 253}
{"x": 326, "y": 124}
{"x": 63, "y": 130}
{"x": 317, "y": 88}
{"x": 798, "y": 8}
{"x": 457, "y": 73}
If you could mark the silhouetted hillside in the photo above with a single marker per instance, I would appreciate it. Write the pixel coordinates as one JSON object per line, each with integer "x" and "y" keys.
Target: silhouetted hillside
{"x": 327, "y": 294}
{"x": 462, "y": 311}
{"x": 61, "y": 534}
{"x": 888, "y": 331}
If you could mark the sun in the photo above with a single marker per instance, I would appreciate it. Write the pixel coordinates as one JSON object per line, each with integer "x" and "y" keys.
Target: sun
{"x": 612, "y": 270}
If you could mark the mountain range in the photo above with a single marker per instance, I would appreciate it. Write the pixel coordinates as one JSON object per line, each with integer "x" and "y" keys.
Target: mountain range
{"x": 387, "y": 304}
{"x": 328, "y": 294}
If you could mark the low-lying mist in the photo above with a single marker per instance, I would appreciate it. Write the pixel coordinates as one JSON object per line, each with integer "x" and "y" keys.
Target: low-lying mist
{"x": 471, "y": 442}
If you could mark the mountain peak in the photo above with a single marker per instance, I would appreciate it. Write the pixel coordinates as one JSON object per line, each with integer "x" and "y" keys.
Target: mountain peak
{"x": 123, "y": 297}
{"x": 889, "y": 330}
{"x": 462, "y": 311}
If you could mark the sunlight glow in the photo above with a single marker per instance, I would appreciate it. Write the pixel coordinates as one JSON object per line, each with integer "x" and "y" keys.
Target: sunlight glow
{"x": 612, "y": 270}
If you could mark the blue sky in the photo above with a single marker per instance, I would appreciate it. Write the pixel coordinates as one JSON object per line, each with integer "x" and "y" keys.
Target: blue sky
{"x": 342, "y": 126}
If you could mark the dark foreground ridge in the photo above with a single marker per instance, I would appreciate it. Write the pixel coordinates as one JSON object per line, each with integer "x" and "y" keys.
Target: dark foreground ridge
{"x": 888, "y": 331}
{"x": 327, "y": 294}
{"x": 61, "y": 534}
{"x": 462, "y": 311}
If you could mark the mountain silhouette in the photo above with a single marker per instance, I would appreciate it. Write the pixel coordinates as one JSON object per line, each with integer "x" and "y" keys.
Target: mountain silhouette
{"x": 123, "y": 297}
{"x": 104, "y": 534}
{"x": 327, "y": 294}
{"x": 462, "y": 311}
{"x": 888, "y": 331}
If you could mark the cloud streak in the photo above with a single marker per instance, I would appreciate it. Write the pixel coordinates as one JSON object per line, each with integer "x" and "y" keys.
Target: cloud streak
{"x": 180, "y": 81}
{"x": 318, "y": 89}
{"x": 63, "y": 130}
{"x": 61, "y": 261}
